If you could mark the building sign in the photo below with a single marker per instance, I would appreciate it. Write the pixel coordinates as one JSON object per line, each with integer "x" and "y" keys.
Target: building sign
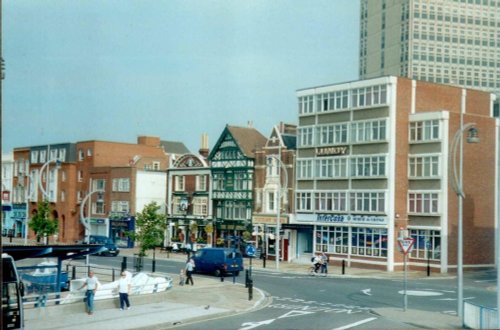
{"x": 18, "y": 212}
{"x": 331, "y": 151}
{"x": 5, "y": 195}
{"x": 97, "y": 221}
{"x": 268, "y": 220}
{"x": 352, "y": 219}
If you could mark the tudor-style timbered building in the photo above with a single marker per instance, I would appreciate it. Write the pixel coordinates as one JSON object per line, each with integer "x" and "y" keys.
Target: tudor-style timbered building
{"x": 232, "y": 163}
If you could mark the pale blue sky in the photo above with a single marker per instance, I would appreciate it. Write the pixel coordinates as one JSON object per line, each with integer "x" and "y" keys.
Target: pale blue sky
{"x": 80, "y": 70}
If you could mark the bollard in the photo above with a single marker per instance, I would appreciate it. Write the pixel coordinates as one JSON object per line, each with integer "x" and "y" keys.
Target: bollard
{"x": 124, "y": 263}
{"x": 113, "y": 275}
{"x": 73, "y": 273}
{"x": 428, "y": 267}
{"x": 247, "y": 279}
{"x": 250, "y": 289}
{"x": 221, "y": 277}
{"x": 343, "y": 266}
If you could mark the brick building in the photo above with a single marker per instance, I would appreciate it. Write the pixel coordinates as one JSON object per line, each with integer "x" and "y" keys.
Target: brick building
{"x": 374, "y": 158}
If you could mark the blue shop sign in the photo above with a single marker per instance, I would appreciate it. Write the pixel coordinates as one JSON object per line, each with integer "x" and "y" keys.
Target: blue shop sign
{"x": 18, "y": 212}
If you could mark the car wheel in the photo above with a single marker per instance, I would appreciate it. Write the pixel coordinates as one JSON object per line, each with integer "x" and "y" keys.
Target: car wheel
{"x": 217, "y": 273}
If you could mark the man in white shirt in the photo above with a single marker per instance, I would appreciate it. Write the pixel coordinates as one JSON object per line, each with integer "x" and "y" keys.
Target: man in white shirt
{"x": 124, "y": 287}
{"x": 92, "y": 284}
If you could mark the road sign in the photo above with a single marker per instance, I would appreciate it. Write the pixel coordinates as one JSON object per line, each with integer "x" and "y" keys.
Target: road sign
{"x": 406, "y": 244}
{"x": 250, "y": 250}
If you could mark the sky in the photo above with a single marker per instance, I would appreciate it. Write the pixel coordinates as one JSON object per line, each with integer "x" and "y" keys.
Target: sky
{"x": 79, "y": 70}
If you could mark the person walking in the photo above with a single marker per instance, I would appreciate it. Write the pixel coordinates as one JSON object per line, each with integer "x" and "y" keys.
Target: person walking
{"x": 324, "y": 263}
{"x": 124, "y": 287}
{"x": 189, "y": 271}
{"x": 92, "y": 284}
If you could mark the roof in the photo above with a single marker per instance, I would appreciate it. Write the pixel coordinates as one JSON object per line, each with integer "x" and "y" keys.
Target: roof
{"x": 174, "y": 147}
{"x": 63, "y": 252}
{"x": 248, "y": 139}
{"x": 290, "y": 141}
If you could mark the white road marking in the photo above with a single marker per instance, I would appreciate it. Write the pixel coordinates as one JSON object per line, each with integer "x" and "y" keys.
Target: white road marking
{"x": 251, "y": 325}
{"x": 294, "y": 313}
{"x": 368, "y": 292}
{"x": 420, "y": 293}
{"x": 355, "y": 324}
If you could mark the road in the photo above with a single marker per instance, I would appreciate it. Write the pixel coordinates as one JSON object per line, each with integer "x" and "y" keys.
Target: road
{"x": 305, "y": 302}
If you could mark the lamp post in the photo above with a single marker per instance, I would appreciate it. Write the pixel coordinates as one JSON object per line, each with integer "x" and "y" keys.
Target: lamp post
{"x": 278, "y": 215}
{"x": 58, "y": 166}
{"x": 457, "y": 143}
{"x": 85, "y": 221}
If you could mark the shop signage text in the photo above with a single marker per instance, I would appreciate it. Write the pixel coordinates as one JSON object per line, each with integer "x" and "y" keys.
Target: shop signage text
{"x": 331, "y": 151}
{"x": 347, "y": 218}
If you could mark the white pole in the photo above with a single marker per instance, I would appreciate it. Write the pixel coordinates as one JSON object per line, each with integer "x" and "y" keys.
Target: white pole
{"x": 460, "y": 215}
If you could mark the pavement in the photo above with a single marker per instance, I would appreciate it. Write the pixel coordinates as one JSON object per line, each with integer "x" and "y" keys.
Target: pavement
{"x": 210, "y": 298}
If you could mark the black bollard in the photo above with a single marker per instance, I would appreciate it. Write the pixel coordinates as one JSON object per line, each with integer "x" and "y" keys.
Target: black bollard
{"x": 250, "y": 289}
{"x": 221, "y": 276}
{"x": 428, "y": 267}
{"x": 343, "y": 266}
{"x": 124, "y": 263}
{"x": 247, "y": 278}
{"x": 73, "y": 273}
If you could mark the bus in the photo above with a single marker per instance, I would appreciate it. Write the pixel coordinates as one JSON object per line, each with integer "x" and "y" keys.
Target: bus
{"x": 12, "y": 295}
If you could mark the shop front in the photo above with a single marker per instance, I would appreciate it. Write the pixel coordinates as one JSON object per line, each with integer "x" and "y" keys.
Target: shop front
{"x": 120, "y": 224}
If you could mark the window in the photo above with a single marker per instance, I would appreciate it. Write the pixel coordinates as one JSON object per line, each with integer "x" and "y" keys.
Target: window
{"x": 306, "y": 104}
{"x": 332, "y": 239}
{"x": 423, "y": 166}
{"x": 63, "y": 176}
{"x": 304, "y": 169}
{"x": 304, "y": 201}
{"x": 121, "y": 184}
{"x": 427, "y": 244}
{"x": 79, "y": 196}
{"x": 218, "y": 181}
{"x": 369, "y": 242}
{"x": 423, "y": 203}
{"x": 333, "y": 167}
{"x": 99, "y": 184}
{"x": 271, "y": 202}
{"x": 179, "y": 182}
{"x": 332, "y": 134}
{"x": 120, "y": 206}
{"x": 81, "y": 155}
{"x": 63, "y": 196}
{"x": 241, "y": 182}
{"x": 367, "y": 202}
{"x": 43, "y": 155}
{"x": 305, "y": 136}
{"x": 330, "y": 201}
{"x": 368, "y": 131}
{"x": 372, "y": 166}
{"x": 98, "y": 207}
{"x": 89, "y": 152}
{"x": 200, "y": 206}
{"x": 34, "y": 156}
{"x": 53, "y": 154}
{"x": 201, "y": 183}
{"x": 235, "y": 210}
{"x": 156, "y": 166}
{"x": 421, "y": 131}
{"x": 80, "y": 176}
{"x": 62, "y": 155}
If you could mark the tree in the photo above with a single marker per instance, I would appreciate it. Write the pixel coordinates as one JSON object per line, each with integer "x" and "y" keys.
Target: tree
{"x": 150, "y": 228}
{"x": 42, "y": 222}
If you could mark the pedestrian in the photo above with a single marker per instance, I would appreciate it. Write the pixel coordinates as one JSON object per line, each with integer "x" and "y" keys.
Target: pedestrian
{"x": 124, "y": 287}
{"x": 189, "y": 271}
{"x": 182, "y": 277}
{"x": 324, "y": 263}
{"x": 92, "y": 284}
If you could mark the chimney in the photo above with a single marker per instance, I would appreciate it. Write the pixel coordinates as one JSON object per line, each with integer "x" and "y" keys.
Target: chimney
{"x": 204, "y": 146}
{"x": 152, "y": 141}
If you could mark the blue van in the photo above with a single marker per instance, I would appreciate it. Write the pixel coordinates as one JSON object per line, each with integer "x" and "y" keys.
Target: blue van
{"x": 218, "y": 261}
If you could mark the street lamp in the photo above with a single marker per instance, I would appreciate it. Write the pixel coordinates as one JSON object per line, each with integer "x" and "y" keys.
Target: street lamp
{"x": 457, "y": 143}
{"x": 277, "y": 238}
{"x": 58, "y": 166}
{"x": 85, "y": 222}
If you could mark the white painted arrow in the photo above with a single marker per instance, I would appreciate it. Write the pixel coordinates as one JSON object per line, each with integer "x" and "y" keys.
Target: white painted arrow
{"x": 251, "y": 325}
{"x": 368, "y": 292}
{"x": 295, "y": 313}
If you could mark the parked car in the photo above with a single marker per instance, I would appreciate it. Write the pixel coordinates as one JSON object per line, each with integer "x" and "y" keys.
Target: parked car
{"x": 111, "y": 248}
{"x": 218, "y": 261}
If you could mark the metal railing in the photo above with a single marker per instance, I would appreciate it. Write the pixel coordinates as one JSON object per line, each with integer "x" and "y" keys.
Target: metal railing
{"x": 479, "y": 317}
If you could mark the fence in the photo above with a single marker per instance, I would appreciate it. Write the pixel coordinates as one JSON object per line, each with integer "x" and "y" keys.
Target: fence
{"x": 479, "y": 317}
